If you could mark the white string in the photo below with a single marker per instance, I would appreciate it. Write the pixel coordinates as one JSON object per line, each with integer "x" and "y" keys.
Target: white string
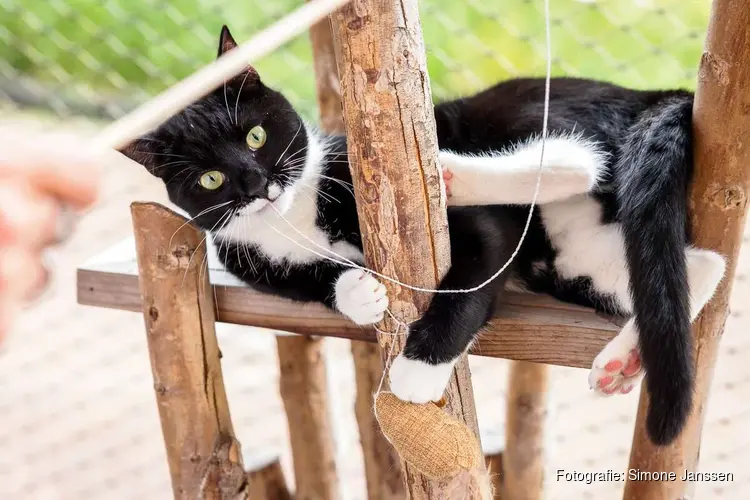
{"x": 401, "y": 326}
{"x": 348, "y": 263}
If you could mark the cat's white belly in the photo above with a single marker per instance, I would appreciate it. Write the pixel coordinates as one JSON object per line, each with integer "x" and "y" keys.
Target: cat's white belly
{"x": 586, "y": 247}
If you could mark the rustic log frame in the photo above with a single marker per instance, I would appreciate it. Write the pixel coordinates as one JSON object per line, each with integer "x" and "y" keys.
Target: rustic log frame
{"x": 178, "y": 309}
{"x": 213, "y": 469}
{"x": 719, "y": 203}
{"x": 392, "y": 147}
{"x": 526, "y": 415}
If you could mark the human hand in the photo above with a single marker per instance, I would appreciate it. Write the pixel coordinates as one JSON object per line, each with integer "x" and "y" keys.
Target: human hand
{"x": 41, "y": 176}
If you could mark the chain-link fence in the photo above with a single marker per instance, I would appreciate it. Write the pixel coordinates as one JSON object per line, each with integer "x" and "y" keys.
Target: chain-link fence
{"x": 77, "y": 418}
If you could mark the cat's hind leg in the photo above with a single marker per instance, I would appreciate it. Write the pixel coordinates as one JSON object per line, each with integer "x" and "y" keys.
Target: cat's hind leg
{"x": 453, "y": 321}
{"x": 617, "y": 368}
{"x": 571, "y": 166}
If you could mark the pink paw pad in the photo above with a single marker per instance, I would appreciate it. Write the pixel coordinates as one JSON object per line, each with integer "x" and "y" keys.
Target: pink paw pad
{"x": 447, "y": 176}
{"x": 615, "y": 376}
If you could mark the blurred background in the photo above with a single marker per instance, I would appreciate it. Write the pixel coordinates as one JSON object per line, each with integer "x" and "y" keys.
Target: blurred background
{"x": 77, "y": 415}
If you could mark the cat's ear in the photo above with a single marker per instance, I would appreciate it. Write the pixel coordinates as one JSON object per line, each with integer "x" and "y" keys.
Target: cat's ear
{"x": 140, "y": 152}
{"x": 227, "y": 43}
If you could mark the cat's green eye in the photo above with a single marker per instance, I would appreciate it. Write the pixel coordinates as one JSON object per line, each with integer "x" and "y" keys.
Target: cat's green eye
{"x": 256, "y": 137}
{"x": 212, "y": 180}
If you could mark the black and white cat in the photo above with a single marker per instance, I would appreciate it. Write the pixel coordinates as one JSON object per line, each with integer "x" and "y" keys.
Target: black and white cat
{"x": 610, "y": 232}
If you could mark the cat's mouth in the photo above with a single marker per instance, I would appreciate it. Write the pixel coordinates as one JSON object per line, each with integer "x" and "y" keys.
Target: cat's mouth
{"x": 278, "y": 201}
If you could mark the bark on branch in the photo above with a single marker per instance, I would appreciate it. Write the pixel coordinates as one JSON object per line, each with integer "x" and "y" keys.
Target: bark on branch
{"x": 719, "y": 202}
{"x": 393, "y": 154}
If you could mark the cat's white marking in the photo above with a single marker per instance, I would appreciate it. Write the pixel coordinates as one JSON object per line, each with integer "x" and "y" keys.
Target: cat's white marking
{"x": 586, "y": 247}
{"x": 260, "y": 225}
{"x": 360, "y": 297}
{"x": 274, "y": 191}
{"x": 572, "y": 165}
{"x": 705, "y": 272}
{"x": 614, "y": 368}
{"x": 419, "y": 382}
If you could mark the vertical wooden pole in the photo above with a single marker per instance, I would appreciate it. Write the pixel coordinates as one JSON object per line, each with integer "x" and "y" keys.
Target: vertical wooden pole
{"x": 523, "y": 457}
{"x": 304, "y": 391}
{"x": 719, "y": 202}
{"x": 382, "y": 465}
{"x": 327, "y": 85}
{"x": 204, "y": 458}
{"x": 393, "y": 147}
{"x": 495, "y": 467}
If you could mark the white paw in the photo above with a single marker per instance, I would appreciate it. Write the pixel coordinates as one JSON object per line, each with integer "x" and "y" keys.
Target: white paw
{"x": 361, "y": 297}
{"x": 418, "y": 382}
{"x": 617, "y": 368}
{"x": 449, "y": 164}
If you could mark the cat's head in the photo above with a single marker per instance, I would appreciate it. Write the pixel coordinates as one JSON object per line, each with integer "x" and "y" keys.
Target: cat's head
{"x": 233, "y": 153}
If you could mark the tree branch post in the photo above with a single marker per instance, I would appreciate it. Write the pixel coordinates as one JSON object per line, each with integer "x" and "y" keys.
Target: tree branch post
{"x": 719, "y": 202}
{"x": 523, "y": 457}
{"x": 304, "y": 390}
{"x": 382, "y": 465}
{"x": 393, "y": 156}
{"x": 178, "y": 309}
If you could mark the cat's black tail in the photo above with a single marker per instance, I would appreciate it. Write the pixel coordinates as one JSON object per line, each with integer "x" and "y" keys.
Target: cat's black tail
{"x": 653, "y": 175}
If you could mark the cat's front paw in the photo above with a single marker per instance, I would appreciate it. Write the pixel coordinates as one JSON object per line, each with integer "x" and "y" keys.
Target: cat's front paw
{"x": 361, "y": 297}
{"x": 447, "y": 160}
{"x": 418, "y": 382}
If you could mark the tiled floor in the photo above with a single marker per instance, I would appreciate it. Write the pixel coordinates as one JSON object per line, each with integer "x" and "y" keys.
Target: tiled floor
{"x": 78, "y": 420}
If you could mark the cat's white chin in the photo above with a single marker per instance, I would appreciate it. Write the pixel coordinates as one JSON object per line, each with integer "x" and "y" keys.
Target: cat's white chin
{"x": 281, "y": 203}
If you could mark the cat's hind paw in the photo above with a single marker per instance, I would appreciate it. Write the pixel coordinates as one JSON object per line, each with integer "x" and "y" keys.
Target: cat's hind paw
{"x": 617, "y": 368}
{"x": 361, "y": 297}
{"x": 418, "y": 382}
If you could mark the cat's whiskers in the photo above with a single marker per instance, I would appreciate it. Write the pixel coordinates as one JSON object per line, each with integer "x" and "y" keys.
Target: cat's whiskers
{"x": 226, "y": 101}
{"x": 300, "y": 150}
{"x": 237, "y": 101}
{"x": 170, "y": 164}
{"x": 205, "y": 235}
{"x": 237, "y": 243}
{"x": 161, "y": 154}
{"x": 290, "y": 143}
{"x": 202, "y": 212}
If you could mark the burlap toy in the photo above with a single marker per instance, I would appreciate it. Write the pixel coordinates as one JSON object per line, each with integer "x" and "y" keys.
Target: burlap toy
{"x": 434, "y": 443}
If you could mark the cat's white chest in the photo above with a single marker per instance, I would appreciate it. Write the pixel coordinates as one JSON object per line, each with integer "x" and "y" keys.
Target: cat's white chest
{"x": 293, "y": 238}
{"x": 586, "y": 247}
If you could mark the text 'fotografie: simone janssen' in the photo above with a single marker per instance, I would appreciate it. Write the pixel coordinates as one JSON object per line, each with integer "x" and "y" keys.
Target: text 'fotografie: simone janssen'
{"x": 641, "y": 475}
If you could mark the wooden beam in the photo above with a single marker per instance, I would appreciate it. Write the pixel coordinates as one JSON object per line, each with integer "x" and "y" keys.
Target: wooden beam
{"x": 523, "y": 457}
{"x": 392, "y": 146}
{"x": 719, "y": 203}
{"x": 179, "y": 314}
{"x": 304, "y": 391}
{"x": 525, "y": 328}
{"x": 382, "y": 466}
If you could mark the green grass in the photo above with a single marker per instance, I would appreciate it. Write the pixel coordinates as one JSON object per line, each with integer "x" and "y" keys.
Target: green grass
{"x": 138, "y": 47}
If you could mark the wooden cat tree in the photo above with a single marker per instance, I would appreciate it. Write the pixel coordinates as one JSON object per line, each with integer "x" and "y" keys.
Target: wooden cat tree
{"x": 387, "y": 110}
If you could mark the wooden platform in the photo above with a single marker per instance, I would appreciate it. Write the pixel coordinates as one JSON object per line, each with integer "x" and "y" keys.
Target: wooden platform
{"x": 526, "y": 327}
